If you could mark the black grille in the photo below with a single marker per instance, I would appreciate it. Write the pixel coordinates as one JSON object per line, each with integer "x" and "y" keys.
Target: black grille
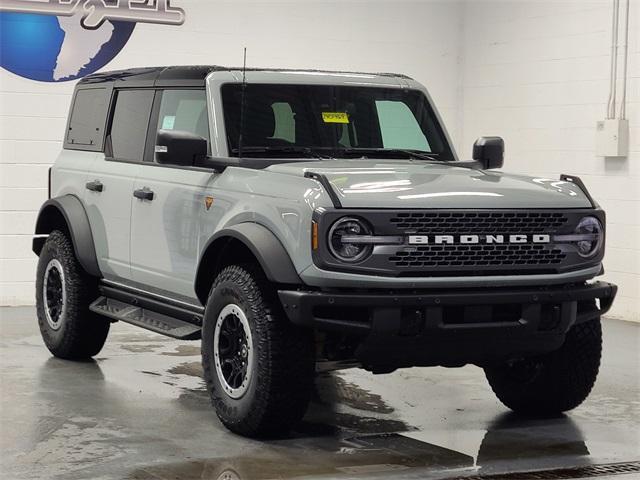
{"x": 477, "y": 256}
{"x": 467, "y": 242}
{"x": 479, "y": 222}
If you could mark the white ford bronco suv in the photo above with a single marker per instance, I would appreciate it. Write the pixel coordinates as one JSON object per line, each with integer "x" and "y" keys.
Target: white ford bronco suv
{"x": 305, "y": 221}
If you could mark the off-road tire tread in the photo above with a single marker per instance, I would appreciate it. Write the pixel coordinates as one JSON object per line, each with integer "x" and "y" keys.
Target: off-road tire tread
{"x": 565, "y": 381}
{"x": 285, "y": 363}
{"x": 83, "y": 332}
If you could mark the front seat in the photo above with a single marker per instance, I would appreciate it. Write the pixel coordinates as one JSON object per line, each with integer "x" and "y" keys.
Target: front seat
{"x": 260, "y": 125}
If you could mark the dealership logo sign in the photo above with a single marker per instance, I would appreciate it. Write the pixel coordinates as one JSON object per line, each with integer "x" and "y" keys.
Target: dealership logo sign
{"x": 60, "y": 40}
{"x": 95, "y": 12}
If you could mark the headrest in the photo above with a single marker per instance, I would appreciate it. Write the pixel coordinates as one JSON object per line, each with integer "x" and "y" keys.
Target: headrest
{"x": 259, "y": 122}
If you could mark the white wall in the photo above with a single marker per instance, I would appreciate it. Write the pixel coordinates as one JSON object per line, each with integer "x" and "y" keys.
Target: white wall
{"x": 421, "y": 39}
{"x": 537, "y": 73}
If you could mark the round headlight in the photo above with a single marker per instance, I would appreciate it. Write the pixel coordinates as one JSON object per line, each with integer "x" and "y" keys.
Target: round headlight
{"x": 342, "y": 232}
{"x": 589, "y": 236}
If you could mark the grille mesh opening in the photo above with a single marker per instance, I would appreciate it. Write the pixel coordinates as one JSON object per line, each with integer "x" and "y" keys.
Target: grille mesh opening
{"x": 477, "y": 255}
{"x": 479, "y": 222}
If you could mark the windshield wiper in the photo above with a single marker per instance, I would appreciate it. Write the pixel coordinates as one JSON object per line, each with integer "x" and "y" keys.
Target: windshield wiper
{"x": 290, "y": 150}
{"x": 391, "y": 151}
{"x": 314, "y": 152}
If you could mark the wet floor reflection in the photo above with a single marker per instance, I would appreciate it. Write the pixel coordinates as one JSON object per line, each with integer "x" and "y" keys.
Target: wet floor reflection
{"x": 536, "y": 443}
{"x": 349, "y": 431}
{"x": 388, "y": 454}
{"x": 338, "y": 406}
{"x": 82, "y": 413}
{"x": 510, "y": 444}
{"x": 505, "y": 448}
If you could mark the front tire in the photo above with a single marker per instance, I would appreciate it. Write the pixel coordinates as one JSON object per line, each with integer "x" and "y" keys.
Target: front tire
{"x": 553, "y": 383}
{"x": 63, "y": 294}
{"x": 258, "y": 367}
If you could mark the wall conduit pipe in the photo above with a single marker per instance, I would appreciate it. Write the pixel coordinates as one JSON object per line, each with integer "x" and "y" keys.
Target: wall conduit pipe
{"x": 623, "y": 96}
{"x": 611, "y": 106}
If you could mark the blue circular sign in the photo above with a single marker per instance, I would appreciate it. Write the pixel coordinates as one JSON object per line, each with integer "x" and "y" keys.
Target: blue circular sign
{"x": 57, "y": 49}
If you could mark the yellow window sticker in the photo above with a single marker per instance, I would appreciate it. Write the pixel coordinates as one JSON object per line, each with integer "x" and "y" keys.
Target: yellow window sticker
{"x": 335, "y": 117}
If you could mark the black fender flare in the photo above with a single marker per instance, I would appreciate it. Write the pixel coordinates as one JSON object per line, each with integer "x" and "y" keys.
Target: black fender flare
{"x": 265, "y": 247}
{"x": 70, "y": 208}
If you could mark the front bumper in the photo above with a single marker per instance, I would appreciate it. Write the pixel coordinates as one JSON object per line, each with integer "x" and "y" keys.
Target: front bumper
{"x": 401, "y": 329}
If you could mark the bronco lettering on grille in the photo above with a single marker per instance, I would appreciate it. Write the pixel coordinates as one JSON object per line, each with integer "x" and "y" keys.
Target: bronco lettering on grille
{"x": 474, "y": 239}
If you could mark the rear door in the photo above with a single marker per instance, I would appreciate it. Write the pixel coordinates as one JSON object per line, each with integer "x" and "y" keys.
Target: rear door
{"x": 109, "y": 189}
{"x": 165, "y": 228}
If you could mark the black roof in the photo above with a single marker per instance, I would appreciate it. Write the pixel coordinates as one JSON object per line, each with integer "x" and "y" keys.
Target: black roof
{"x": 189, "y": 75}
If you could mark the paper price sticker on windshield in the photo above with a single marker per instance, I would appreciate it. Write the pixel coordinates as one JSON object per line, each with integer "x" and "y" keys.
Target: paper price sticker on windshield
{"x": 335, "y": 117}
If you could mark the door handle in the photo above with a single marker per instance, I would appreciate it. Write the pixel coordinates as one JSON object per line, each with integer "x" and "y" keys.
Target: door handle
{"x": 143, "y": 194}
{"x": 95, "y": 186}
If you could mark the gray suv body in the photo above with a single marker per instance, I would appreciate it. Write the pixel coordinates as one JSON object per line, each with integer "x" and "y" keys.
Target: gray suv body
{"x": 303, "y": 221}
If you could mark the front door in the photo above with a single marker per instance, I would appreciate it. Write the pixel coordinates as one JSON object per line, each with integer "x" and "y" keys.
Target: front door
{"x": 110, "y": 183}
{"x": 165, "y": 226}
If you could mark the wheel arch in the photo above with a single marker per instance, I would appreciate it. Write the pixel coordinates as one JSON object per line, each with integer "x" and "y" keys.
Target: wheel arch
{"x": 68, "y": 213}
{"x": 242, "y": 243}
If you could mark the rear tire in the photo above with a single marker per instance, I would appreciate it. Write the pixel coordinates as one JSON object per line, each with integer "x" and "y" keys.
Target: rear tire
{"x": 63, "y": 294}
{"x": 555, "y": 382}
{"x": 260, "y": 380}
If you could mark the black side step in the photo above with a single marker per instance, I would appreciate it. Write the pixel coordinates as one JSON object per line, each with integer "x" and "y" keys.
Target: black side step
{"x": 141, "y": 317}
{"x": 149, "y": 301}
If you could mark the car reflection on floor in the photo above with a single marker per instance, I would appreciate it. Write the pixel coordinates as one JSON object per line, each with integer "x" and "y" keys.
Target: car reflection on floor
{"x": 332, "y": 444}
{"x": 140, "y": 411}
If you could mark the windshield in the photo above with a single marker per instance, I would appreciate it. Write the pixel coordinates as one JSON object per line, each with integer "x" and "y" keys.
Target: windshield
{"x": 332, "y": 121}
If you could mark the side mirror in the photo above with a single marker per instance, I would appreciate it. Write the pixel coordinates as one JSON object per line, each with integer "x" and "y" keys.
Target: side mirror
{"x": 175, "y": 147}
{"x": 489, "y": 152}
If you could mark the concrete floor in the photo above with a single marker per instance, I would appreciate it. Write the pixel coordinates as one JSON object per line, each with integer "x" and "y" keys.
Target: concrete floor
{"x": 140, "y": 411}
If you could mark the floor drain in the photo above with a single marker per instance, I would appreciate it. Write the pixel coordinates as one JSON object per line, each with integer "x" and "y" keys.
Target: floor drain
{"x": 563, "y": 473}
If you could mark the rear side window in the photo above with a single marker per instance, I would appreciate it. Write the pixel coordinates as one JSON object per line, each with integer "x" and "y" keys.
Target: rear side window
{"x": 88, "y": 118}
{"x": 129, "y": 124}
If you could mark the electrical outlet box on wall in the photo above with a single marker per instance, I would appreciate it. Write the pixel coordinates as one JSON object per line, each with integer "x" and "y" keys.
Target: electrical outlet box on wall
{"x": 612, "y": 138}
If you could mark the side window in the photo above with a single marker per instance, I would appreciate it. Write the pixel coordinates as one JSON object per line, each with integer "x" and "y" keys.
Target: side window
{"x": 184, "y": 110}
{"x": 88, "y": 118}
{"x": 399, "y": 127}
{"x": 129, "y": 124}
